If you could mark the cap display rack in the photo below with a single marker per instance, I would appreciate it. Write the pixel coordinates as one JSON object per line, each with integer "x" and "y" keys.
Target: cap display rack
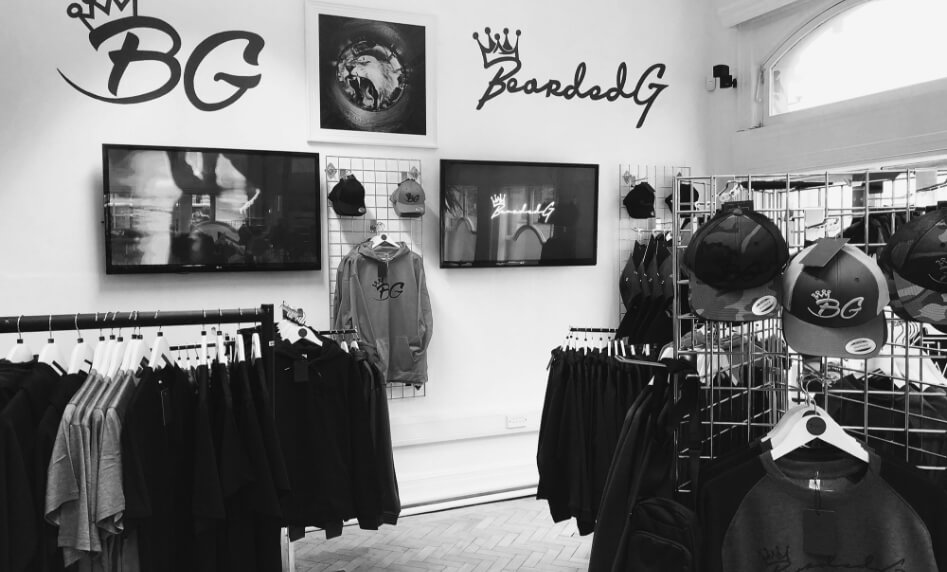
{"x": 750, "y": 377}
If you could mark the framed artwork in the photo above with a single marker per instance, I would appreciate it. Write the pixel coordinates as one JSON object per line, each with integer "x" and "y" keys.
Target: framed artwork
{"x": 513, "y": 214}
{"x": 370, "y": 76}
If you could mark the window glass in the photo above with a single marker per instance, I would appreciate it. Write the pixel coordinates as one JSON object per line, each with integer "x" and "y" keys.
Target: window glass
{"x": 872, "y": 47}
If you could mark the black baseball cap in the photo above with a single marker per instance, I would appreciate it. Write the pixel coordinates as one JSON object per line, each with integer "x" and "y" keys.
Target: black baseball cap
{"x": 836, "y": 310}
{"x": 734, "y": 262}
{"x": 639, "y": 202}
{"x": 687, "y": 194}
{"x": 348, "y": 197}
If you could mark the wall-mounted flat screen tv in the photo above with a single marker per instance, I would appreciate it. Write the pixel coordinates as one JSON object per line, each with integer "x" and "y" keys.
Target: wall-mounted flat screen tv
{"x": 518, "y": 214}
{"x": 195, "y": 209}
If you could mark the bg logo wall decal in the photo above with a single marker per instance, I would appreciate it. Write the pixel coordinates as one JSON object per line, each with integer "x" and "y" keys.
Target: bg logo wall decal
{"x": 505, "y": 56}
{"x": 107, "y": 19}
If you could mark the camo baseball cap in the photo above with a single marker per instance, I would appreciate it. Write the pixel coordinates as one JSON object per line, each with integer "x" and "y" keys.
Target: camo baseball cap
{"x": 408, "y": 199}
{"x": 836, "y": 310}
{"x": 734, "y": 262}
{"x": 918, "y": 251}
{"x": 916, "y": 261}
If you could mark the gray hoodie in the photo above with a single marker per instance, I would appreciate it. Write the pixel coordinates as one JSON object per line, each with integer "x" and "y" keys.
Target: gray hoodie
{"x": 382, "y": 292}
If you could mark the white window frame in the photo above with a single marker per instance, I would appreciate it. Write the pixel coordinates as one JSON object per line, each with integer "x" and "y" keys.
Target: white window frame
{"x": 863, "y": 103}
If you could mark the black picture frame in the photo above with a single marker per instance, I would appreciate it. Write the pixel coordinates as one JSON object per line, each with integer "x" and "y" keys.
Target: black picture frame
{"x": 537, "y": 213}
{"x": 164, "y": 213}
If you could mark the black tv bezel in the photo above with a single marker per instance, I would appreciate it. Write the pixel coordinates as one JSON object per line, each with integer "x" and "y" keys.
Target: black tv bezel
{"x": 113, "y": 269}
{"x": 590, "y": 261}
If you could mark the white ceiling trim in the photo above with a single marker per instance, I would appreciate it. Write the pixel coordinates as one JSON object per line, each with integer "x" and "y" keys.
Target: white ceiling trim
{"x": 735, "y": 12}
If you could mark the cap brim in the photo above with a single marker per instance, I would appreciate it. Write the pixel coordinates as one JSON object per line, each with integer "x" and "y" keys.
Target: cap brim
{"x": 748, "y": 305}
{"x": 406, "y": 210}
{"x": 856, "y": 342}
{"x": 919, "y": 303}
{"x": 345, "y": 209}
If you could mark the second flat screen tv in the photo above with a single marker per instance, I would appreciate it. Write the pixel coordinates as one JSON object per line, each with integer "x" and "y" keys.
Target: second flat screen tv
{"x": 518, "y": 214}
{"x": 194, "y": 209}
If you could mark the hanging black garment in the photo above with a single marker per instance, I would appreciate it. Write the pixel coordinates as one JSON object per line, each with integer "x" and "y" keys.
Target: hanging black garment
{"x": 20, "y": 529}
{"x": 157, "y": 466}
{"x": 382, "y": 504}
{"x": 312, "y": 386}
{"x": 255, "y": 509}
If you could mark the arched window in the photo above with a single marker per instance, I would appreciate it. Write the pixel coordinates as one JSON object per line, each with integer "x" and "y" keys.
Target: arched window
{"x": 858, "y": 48}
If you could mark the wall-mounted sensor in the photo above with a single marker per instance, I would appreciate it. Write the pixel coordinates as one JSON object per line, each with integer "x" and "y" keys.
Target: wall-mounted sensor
{"x": 722, "y": 72}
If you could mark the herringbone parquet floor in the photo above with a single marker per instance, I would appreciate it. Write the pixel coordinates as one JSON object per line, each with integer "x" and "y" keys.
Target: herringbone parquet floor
{"x": 510, "y": 535}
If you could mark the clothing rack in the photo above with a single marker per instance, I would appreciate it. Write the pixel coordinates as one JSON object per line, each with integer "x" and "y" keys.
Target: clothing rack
{"x": 151, "y": 318}
{"x": 594, "y": 330}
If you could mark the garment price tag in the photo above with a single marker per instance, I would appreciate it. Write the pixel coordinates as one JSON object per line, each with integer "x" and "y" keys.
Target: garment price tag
{"x": 824, "y": 251}
{"x": 820, "y": 532}
{"x": 300, "y": 371}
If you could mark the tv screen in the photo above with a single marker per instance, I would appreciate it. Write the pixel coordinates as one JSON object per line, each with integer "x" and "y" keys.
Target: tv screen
{"x": 518, "y": 214}
{"x": 194, "y": 209}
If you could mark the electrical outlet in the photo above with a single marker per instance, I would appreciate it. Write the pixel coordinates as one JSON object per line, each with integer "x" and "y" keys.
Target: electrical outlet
{"x": 516, "y": 421}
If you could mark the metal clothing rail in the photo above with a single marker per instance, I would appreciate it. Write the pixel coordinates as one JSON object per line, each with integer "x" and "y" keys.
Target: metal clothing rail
{"x": 151, "y": 318}
{"x": 594, "y": 330}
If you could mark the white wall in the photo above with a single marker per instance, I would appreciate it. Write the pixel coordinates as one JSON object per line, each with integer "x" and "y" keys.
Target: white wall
{"x": 493, "y": 328}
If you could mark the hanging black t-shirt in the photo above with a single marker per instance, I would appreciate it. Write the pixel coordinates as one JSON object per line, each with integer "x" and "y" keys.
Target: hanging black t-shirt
{"x": 208, "y": 498}
{"x": 260, "y": 388}
{"x": 884, "y": 516}
{"x": 12, "y": 376}
{"x": 312, "y": 385}
{"x": 257, "y": 503}
{"x": 19, "y": 420}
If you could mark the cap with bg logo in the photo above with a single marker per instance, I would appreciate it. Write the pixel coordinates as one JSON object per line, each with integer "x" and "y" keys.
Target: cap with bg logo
{"x": 916, "y": 259}
{"x": 734, "y": 262}
{"x": 408, "y": 199}
{"x": 834, "y": 296}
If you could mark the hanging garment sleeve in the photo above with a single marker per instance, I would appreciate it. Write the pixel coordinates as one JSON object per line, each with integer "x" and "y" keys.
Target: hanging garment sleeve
{"x": 688, "y": 404}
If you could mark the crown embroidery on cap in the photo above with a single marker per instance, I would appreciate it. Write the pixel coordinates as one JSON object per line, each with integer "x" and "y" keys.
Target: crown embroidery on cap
{"x": 823, "y": 294}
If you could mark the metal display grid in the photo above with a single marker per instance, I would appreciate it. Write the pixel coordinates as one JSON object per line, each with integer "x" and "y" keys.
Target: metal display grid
{"x": 380, "y": 177}
{"x": 661, "y": 178}
{"x": 751, "y": 377}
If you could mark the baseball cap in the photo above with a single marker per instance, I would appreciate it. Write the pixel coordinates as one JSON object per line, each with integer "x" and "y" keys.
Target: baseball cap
{"x": 734, "y": 262}
{"x": 639, "y": 202}
{"x": 687, "y": 196}
{"x": 916, "y": 260}
{"x": 408, "y": 199}
{"x": 348, "y": 197}
{"x": 836, "y": 309}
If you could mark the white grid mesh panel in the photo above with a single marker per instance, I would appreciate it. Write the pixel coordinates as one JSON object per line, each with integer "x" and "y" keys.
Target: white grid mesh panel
{"x": 661, "y": 178}
{"x": 380, "y": 177}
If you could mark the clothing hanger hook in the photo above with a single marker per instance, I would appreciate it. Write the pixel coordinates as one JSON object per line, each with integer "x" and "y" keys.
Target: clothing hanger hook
{"x": 50, "y": 324}
{"x": 19, "y": 334}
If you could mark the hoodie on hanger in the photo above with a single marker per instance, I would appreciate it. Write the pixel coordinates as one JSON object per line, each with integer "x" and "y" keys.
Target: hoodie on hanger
{"x": 382, "y": 292}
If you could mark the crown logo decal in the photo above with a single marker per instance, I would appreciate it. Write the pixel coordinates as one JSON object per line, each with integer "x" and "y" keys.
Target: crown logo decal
{"x": 822, "y": 294}
{"x": 498, "y": 201}
{"x": 95, "y": 13}
{"x": 496, "y": 50}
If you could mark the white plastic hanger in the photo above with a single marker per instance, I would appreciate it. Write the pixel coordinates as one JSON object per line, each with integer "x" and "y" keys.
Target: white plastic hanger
{"x": 353, "y": 345}
{"x": 221, "y": 347}
{"x": 81, "y": 358}
{"x": 240, "y": 354}
{"x": 50, "y": 354}
{"x": 20, "y": 352}
{"x": 202, "y": 349}
{"x": 815, "y": 423}
{"x": 160, "y": 351}
{"x": 381, "y": 239}
{"x": 136, "y": 350}
{"x": 102, "y": 349}
{"x": 256, "y": 347}
{"x": 117, "y": 356}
